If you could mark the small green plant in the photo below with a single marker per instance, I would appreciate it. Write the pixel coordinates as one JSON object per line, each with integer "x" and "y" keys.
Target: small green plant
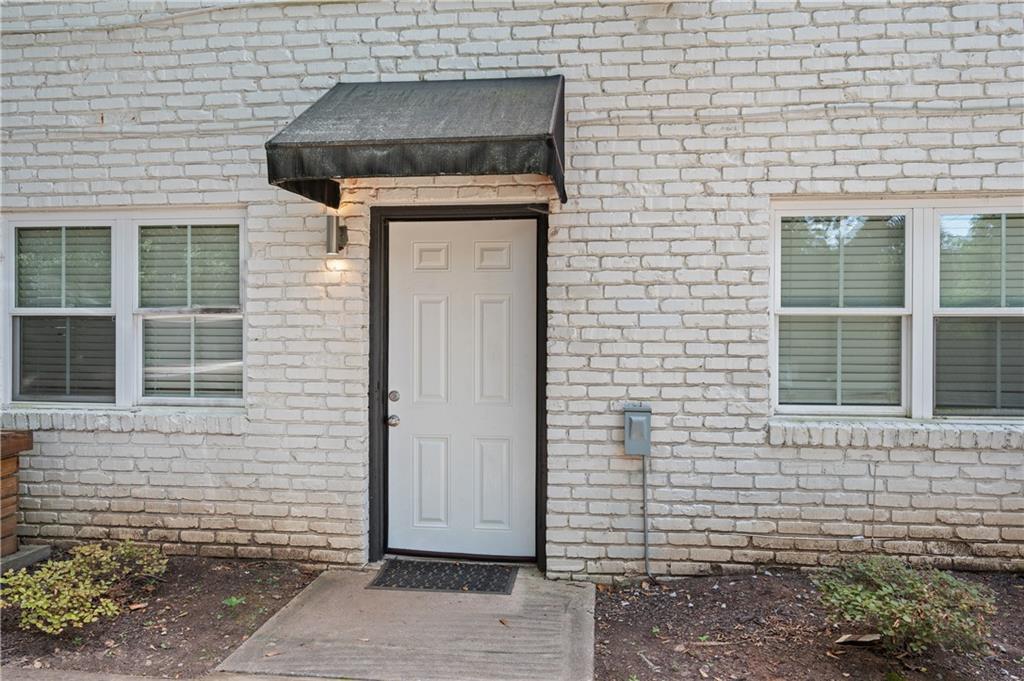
{"x": 122, "y": 561}
{"x": 655, "y": 630}
{"x": 234, "y": 601}
{"x": 703, "y": 637}
{"x": 911, "y": 609}
{"x": 92, "y": 583}
{"x": 633, "y": 677}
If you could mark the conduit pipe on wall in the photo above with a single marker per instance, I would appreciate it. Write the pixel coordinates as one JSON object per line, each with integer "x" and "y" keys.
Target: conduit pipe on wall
{"x": 637, "y": 442}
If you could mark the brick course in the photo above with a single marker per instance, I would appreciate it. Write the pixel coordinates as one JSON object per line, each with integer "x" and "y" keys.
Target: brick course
{"x": 684, "y": 121}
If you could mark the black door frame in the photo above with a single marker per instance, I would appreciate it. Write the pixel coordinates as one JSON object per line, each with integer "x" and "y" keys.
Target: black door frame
{"x": 378, "y": 452}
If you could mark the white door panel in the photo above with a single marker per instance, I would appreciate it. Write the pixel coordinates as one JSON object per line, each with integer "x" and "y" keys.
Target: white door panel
{"x": 462, "y": 356}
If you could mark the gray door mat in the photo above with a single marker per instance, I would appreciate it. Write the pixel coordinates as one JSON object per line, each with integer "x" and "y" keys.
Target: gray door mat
{"x": 436, "y": 575}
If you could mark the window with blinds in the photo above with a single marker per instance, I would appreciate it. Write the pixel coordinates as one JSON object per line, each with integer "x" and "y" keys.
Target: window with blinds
{"x": 189, "y": 296}
{"x": 979, "y": 335}
{"x": 842, "y": 298}
{"x": 59, "y": 267}
{"x": 64, "y": 341}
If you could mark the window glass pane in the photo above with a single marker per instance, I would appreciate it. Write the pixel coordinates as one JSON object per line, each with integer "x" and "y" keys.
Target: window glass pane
{"x": 163, "y": 266}
{"x": 981, "y": 260}
{"x": 66, "y": 358}
{"x": 87, "y": 266}
{"x": 193, "y": 357}
{"x": 807, "y": 360}
{"x": 810, "y": 262}
{"x": 167, "y": 356}
{"x": 840, "y": 361}
{"x": 218, "y": 357}
{"x": 872, "y": 354}
{"x": 843, "y": 261}
{"x": 979, "y": 365}
{"x": 1015, "y": 260}
{"x": 63, "y": 267}
{"x": 173, "y": 274}
{"x": 1011, "y": 366}
{"x": 39, "y": 267}
{"x": 215, "y": 265}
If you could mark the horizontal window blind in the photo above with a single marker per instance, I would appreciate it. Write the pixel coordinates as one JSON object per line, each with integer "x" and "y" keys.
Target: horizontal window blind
{"x": 163, "y": 267}
{"x": 218, "y": 357}
{"x": 87, "y": 266}
{"x": 167, "y": 356}
{"x": 196, "y": 356}
{"x": 66, "y": 358}
{"x": 981, "y": 260}
{"x": 63, "y": 267}
{"x": 1014, "y": 260}
{"x": 840, "y": 361}
{"x": 807, "y": 360}
{"x": 40, "y": 280}
{"x": 189, "y": 266}
{"x": 979, "y": 365}
{"x": 215, "y": 280}
{"x": 843, "y": 261}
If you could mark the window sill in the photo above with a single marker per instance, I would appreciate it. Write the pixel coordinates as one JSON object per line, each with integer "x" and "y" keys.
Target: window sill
{"x": 887, "y": 432}
{"x": 105, "y": 417}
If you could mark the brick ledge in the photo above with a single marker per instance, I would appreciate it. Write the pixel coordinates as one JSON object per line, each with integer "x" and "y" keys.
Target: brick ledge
{"x": 216, "y": 421}
{"x": 894, "y": 433}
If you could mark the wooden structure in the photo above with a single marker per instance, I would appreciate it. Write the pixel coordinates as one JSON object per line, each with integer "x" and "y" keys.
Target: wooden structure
{"x": 11, "y": 444}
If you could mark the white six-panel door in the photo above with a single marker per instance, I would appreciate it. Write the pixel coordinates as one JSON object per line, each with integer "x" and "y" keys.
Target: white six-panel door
{"x": 461, "y": 357}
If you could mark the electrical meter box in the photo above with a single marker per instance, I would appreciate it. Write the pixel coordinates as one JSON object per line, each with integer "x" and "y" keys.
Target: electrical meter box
{"x": 637, "y": 424}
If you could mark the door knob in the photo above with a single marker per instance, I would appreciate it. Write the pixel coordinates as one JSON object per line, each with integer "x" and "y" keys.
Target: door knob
{"x": 393, "y": 420}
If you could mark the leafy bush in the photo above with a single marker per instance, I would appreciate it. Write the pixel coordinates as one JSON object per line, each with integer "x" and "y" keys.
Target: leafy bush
{"x": 77, "y": 591}
{"x": 911, "y": 609}
{"x": 123, "y": 562}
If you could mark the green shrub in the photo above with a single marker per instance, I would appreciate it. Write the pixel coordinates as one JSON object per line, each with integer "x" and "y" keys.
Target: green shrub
{"x": 911, "y": 609}
{"x": 125, "y": 561}
{"x": 77, "y": 591}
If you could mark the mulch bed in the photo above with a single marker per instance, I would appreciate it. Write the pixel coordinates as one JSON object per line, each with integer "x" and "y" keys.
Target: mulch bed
{"x": 184, "y": 630}
{"x": 770, "y": 627}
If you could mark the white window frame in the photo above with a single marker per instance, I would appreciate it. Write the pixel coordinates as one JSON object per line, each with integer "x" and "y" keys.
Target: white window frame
{"x": 11, "y": 350}
{"x": 921, "y": 299}
{"x": 124, "y": 280}
{"x": 938, "y": 311}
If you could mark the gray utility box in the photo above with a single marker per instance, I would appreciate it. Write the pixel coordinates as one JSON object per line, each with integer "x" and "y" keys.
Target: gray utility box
{"x": 637, "y": 422}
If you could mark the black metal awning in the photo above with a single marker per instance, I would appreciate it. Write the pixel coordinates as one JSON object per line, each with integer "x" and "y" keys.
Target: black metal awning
{"x": 496, "y": 126}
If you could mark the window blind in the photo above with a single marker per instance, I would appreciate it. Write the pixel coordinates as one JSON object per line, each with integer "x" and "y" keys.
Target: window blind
{"x": 196, "y": 356}
{"x": 188, "y": 266}
{"x": 66, "y": 358}
{"x": 840, "y": 360}
{"x": 163, "y": 267}
{"x": 981, "y": 260}
{"x": 218, "y": 357}
{"x": 843, "y": 261}
{"x": 63, "y": 267}
{"x": 807, "y": 360}
{"x": 1015, "y": 260}
{"x": 167, "y": 356}
{"x": 979, "y": 365}
{"x": 191, "y": 266}
{"x": 214, "y": 270}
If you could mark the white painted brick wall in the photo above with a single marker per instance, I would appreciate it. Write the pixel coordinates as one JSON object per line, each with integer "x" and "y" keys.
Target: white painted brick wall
{"x": 683, "y": 121}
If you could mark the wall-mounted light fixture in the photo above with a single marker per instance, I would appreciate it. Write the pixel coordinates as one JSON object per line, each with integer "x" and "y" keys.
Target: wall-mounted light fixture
{"x": 337, "y": 234}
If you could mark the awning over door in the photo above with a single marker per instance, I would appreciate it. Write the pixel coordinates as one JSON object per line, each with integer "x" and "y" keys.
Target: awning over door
{"x": 497, "y": 126}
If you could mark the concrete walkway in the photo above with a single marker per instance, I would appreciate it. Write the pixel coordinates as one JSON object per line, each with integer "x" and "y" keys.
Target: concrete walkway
{"x": 9, "y": 673}
{"x": 336, "y": 628}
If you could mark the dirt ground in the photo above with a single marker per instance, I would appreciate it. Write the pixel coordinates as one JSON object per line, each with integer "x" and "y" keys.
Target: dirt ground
{"x": 184, "y": 630}
{"x": 769, "y": 627}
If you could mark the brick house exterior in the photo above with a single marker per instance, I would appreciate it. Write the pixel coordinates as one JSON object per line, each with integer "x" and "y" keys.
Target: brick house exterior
{"x": 688, "y": 125}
